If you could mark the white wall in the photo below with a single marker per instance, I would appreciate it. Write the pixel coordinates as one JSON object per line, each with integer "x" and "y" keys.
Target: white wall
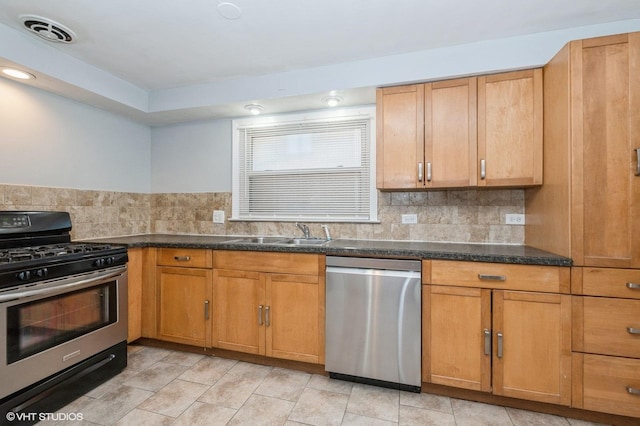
{"x": 48, "y": 140}
{"x": 191, "y": 157}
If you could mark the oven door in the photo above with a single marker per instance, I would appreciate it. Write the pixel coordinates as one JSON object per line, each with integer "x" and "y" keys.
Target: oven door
{"x": 52, "y": 325}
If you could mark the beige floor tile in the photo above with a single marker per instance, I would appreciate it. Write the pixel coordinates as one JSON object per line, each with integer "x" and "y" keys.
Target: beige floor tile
{"x": 469, "y": 413}
{"x": 319, "y": 407}
{"x": 201, "y": 414}
{"x": 372, "y": 401}
{"x": 262, "y": 410}
{"x": 182, "y": 358}
{"x": 111, "y": 407}
{"x": 112, "y": 383}
{"x": 144, "y": 358}
{"x": 144, "y": 418}
{"x": 246, "y": 369}
{"x": 411, "y": 416}
{"x": 351, "y": 419}
{"x": 174, "y": 398}
{"x": 283, "y": 384}
{"x": 576, "y": 422}
{"x": 156, "y": 376}
{"x": 426, "y": 401}
{"x": 232, "y": 391}
{"x": 208, "y": 370}
{"x": 332, "y": 385}
{"x": 530, "y": 418}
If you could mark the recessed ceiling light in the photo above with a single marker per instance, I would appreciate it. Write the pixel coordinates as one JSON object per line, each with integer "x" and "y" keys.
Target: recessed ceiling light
{"x": 332, "y": 100}
{"x": 22, "y": 75}
{"x": 254, "y": 109}
{"x": 229, "y": 10}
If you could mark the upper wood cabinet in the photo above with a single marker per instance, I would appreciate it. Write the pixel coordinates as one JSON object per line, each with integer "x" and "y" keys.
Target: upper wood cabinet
{"x": 484, "y": 131}
{"x": 590, "y": 203}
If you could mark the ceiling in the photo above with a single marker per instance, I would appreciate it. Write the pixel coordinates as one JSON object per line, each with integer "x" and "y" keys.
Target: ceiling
{"x": 165, "y": 61}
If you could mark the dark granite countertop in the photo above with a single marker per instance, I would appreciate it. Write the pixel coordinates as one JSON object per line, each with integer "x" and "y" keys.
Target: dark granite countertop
{"x": 499, "y": 253}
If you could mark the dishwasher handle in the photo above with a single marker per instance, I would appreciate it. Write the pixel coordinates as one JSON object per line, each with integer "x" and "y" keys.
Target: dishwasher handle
{"x": 375, "y": 264}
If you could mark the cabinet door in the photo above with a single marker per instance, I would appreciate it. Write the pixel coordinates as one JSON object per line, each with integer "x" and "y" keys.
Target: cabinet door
{"x": 184, "y": 305}
{"x": 400, "y": 137}
{"x": 457, "y": 342}
{"x": 510, "y": 129}
{"x": 605, "y": 135}
{"x": 293, "y": 323}
{"x": 532, "y": 346}
{"x": 450, "y": 109}
{"x": 239, "y": 311}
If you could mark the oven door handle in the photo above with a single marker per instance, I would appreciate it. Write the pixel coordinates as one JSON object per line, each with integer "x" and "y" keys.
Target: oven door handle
{"x": 12, "y": 295}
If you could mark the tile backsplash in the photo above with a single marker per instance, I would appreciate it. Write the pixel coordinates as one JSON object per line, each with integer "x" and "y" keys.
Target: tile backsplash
{"x": 476, "y": 216}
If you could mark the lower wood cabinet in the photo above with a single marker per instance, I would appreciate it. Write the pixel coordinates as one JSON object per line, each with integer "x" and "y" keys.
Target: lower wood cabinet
{"x": 511, "y": 343}
{"x": 135, "y": 278}
{"x": 272, "y": 304}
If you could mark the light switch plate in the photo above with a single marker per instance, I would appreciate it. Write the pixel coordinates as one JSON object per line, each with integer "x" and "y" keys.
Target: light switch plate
{"x": 514, "y": 219}
{"x": 409, "y": 218}
{"x": 218, "y": 216}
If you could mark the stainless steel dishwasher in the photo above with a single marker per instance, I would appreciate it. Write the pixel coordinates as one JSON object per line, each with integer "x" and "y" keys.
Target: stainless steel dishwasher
{"x": 373, "y": 321}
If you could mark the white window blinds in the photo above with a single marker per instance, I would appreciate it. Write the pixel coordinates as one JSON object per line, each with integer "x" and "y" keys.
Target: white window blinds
{"x": 318, "y": 168}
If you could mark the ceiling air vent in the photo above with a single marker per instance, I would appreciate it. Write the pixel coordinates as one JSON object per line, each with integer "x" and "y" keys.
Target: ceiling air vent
{"x": 48, "y": 29}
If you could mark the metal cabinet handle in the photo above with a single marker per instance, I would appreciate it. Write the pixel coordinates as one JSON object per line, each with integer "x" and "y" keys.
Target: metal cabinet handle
{"x": 267, "y": 320}
{"x": 487, "y": 341}
{"x": 633, "y": 391}
{"x": 637, "y": 150}
{"x": 206, "y": 309}
{"x": 419, "y": 172}
{"x": 499, "y": 345}
{"x": 182, "y": 258}
{"x": 632, "y": 330}
{"x": 486, "y": 277}
{"x": 483, "y": 169}
{"x": 429, "y": 172}
{"x": 633, "y": 286}
{"x": 259, "y": 314}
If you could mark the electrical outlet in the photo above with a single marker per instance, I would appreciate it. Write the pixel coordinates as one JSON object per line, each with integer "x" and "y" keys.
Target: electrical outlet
{"x": 514, "y": 219}
{"x": 218, "y": 216}
{"x": 409, "y": 218}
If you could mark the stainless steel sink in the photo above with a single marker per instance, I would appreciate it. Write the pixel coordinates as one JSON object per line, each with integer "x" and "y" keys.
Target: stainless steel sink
{"x": 303, "y": 241}
{"x": 286, "y": 241}
{"x": 256, "y": 240}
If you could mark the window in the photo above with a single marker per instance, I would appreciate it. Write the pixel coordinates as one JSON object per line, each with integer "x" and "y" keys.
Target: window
{"x": 313, "y": 167}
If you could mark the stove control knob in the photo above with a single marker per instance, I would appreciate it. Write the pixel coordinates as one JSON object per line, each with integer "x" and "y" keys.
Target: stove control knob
{"x": 98, "y": 262}
{"x": 42, "y": 272}
{"x": 24, "y": 275}
{"x": 110, "y": 260}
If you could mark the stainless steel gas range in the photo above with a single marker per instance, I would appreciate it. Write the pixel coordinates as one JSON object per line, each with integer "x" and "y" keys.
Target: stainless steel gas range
{"x": 63, "y": 313}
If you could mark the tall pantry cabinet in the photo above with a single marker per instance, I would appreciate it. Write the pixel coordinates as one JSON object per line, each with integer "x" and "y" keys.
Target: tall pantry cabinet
{"x": 589, "y": 210}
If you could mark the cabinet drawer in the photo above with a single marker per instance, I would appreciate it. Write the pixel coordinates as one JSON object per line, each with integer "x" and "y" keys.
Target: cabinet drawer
{"x": 283, "y": 263}
{"x": 606, "y": 383}
{"x": 606, "y": 326}
{"x": 185, "y": 257}
{"x": 606, "y": 282}
{"x": 552, "y": 279}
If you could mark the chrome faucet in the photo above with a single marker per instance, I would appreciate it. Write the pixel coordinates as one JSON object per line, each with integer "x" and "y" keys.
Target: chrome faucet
{"x": 326, "y": 232}
{"x": 305, "y": 229}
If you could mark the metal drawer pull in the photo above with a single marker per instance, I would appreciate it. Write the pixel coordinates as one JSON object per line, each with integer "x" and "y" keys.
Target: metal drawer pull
{"x": 429, "y": 172}
{"x": 492, "y": 277}
{"x": 483, "y": 169}
{"x": 259, "y": 314}
{"x": 637, "y": 150}
{"x": 419, "y": 172}
{"x": 267, "y": 321}
{"x": 499, "y": 345}
{"x": 633, "y": 391}
{"x": 487, "y": 342}
{"x": 633, "y": 286}
{"x": 182, "y": 258}
{"x": 206, "y": 309}
{"x": 632, "y": 330}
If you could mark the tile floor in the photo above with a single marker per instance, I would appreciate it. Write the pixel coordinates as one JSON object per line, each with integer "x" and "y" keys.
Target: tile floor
{"x": 164, "y": 387}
